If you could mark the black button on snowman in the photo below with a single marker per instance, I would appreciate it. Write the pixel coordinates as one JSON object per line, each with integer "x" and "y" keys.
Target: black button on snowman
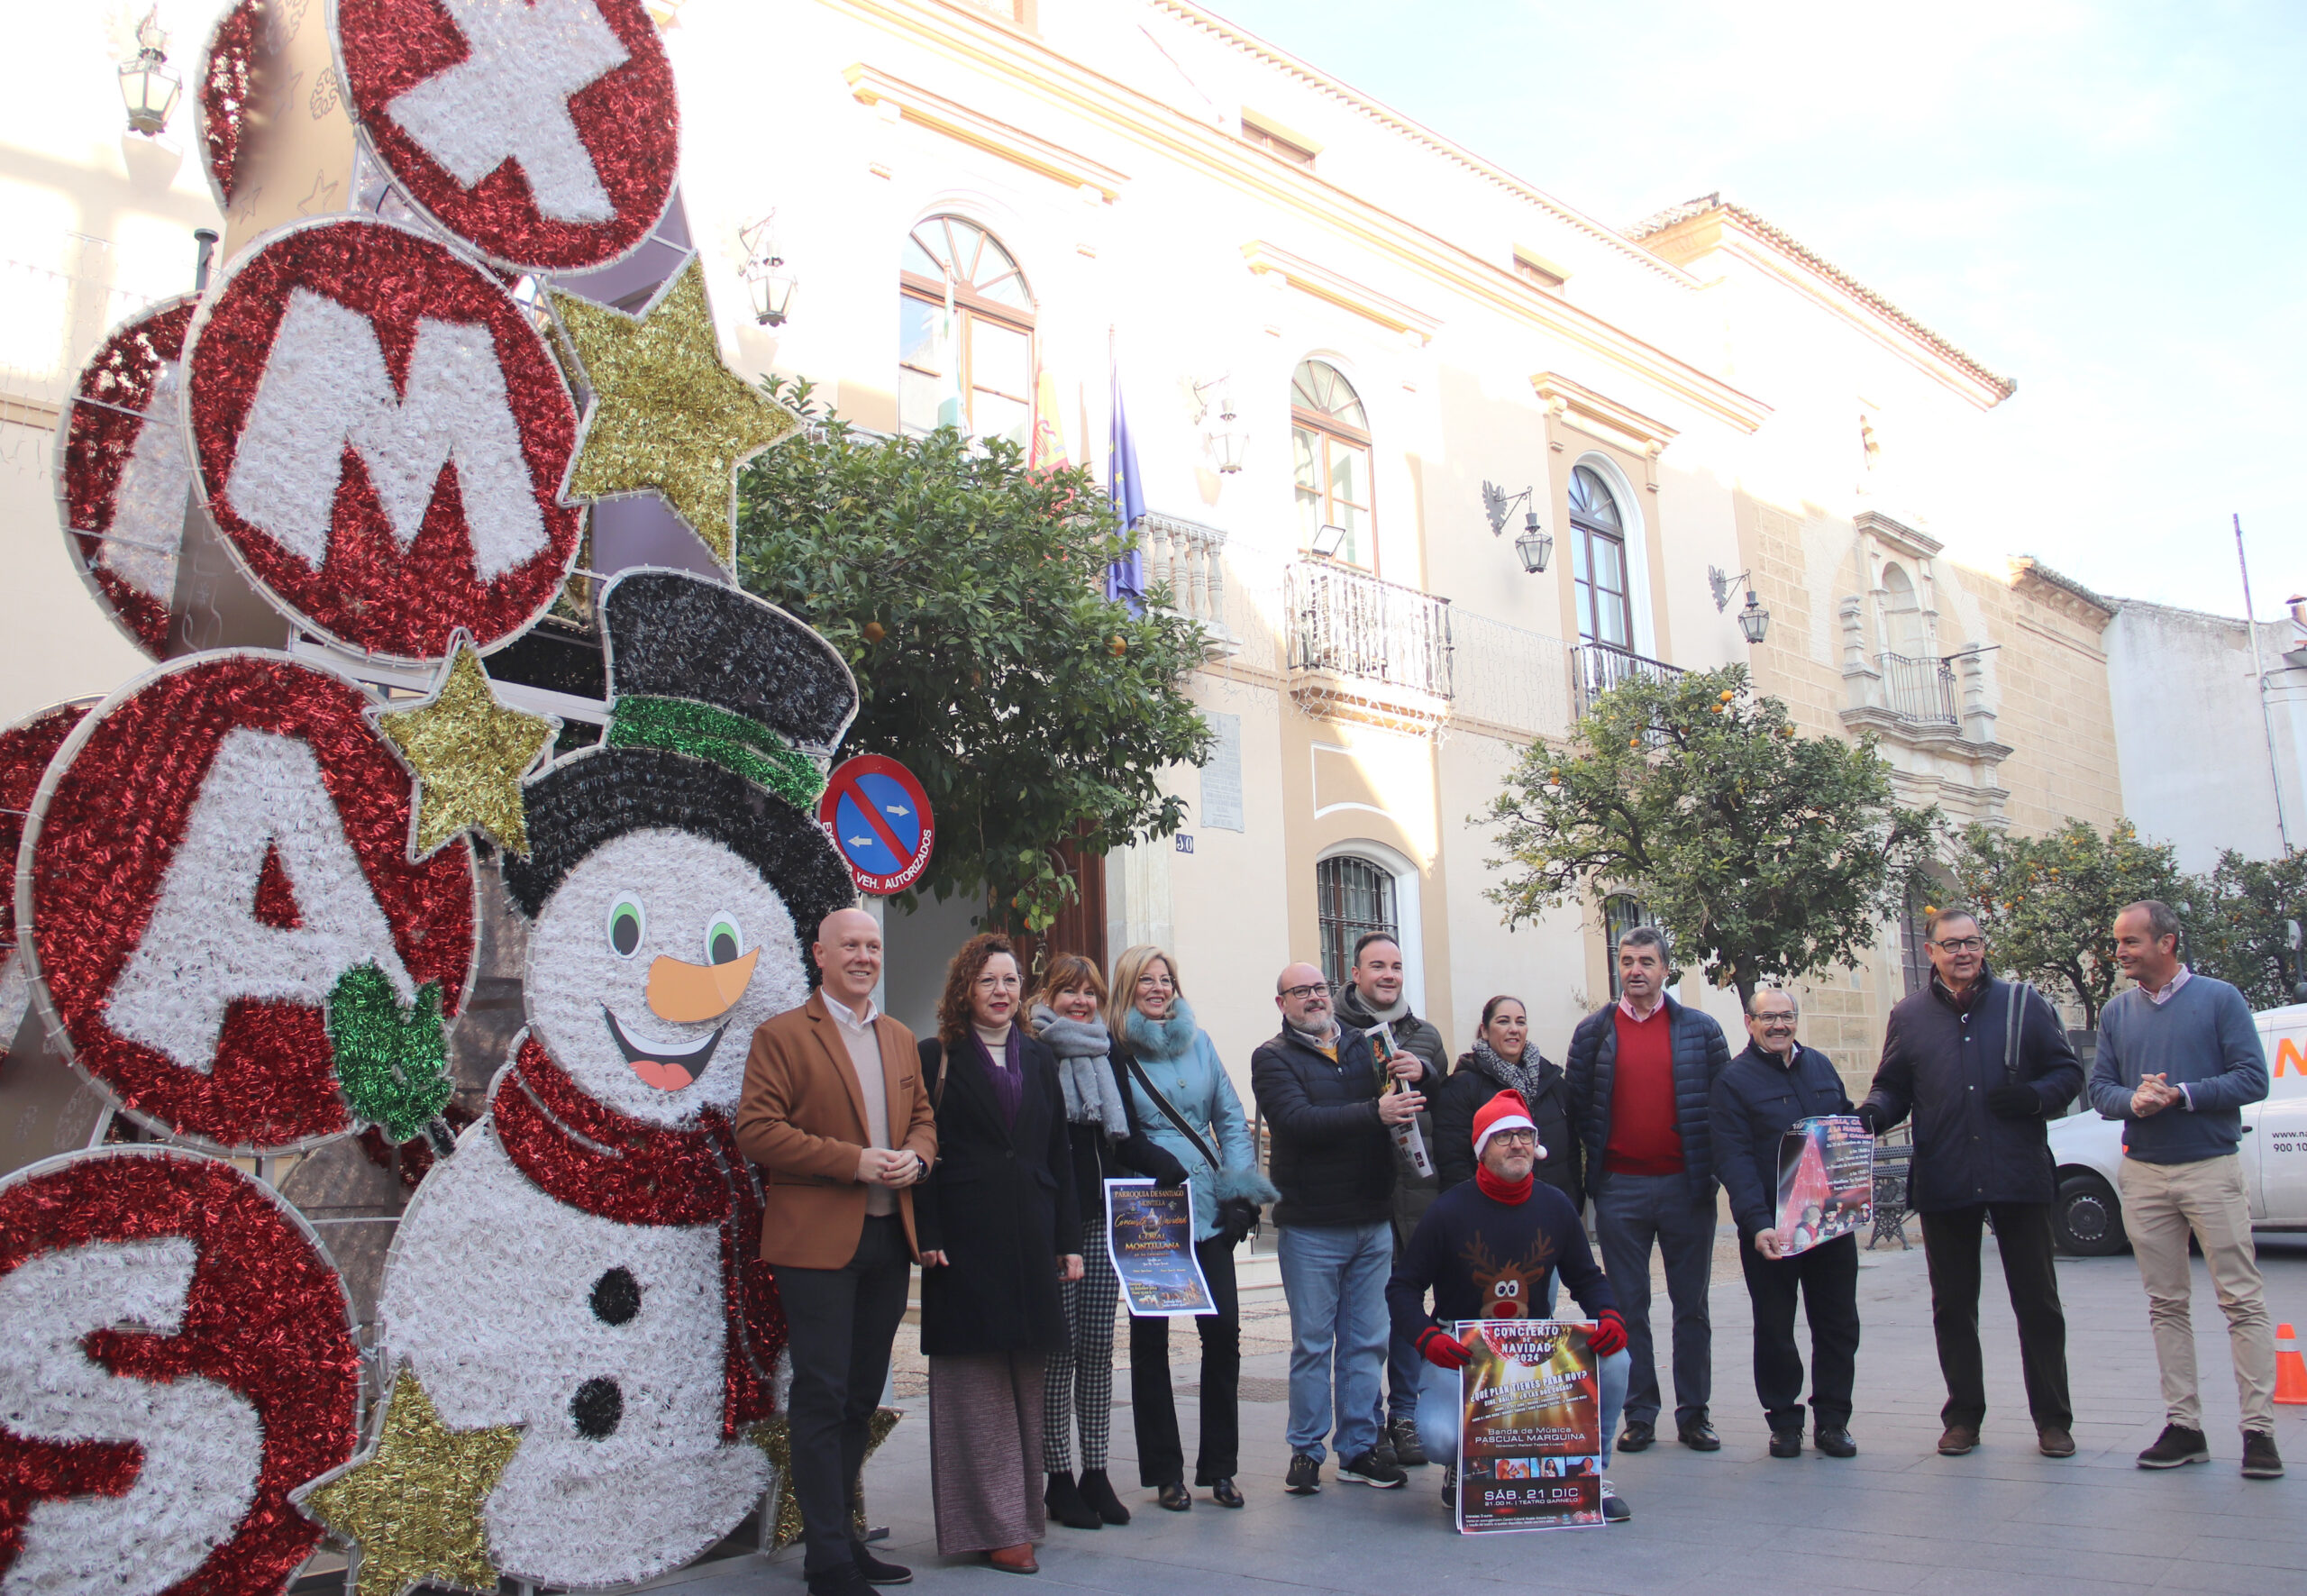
{"x": 586, "y": 1265}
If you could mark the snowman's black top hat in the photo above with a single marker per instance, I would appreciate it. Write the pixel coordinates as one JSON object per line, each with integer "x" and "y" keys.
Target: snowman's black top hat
{"x": 721, "y": 705}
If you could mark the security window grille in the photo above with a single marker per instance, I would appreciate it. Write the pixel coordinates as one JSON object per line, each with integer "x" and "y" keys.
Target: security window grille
{"x": 1355, "y": 897}
{"x": 1914, "y": 957}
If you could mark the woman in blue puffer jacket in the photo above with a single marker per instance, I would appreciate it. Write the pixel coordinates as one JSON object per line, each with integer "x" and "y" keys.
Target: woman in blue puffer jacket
{"x": 1167, "y": 1065}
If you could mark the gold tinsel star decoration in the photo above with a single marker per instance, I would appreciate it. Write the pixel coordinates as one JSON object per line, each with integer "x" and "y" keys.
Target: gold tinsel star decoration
{"x": 468, "y": 753}
{"x": 774, "y": 1436}
{"x": 412, "y": 1502}
{"x": 666, "y": 416}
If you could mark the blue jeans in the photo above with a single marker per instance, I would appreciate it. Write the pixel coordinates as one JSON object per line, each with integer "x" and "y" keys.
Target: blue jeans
{"x": 1334, "y": 1277}
{"x": 1632, "y": 1213}
{"x": 1440, "y": 1410}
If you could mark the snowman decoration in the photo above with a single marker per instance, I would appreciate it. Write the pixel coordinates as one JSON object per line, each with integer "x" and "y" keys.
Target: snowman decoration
{"x": 587, "y": 1265}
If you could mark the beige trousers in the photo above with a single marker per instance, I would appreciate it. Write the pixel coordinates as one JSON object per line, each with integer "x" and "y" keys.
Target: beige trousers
{"x": 2162, "y": 1203}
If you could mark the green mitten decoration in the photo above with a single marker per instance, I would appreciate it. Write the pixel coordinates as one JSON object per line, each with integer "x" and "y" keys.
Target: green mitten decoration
{"x": 393, "y": 1062}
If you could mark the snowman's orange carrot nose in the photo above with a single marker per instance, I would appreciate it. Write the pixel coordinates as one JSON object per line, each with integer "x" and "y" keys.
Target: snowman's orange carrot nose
{"x": 686, "y": 993}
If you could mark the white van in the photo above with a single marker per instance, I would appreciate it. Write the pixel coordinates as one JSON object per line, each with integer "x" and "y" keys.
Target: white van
{"x": 2089, "y": 1149}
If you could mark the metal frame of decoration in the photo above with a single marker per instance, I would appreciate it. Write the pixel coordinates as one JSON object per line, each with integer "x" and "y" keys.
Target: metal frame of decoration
{"x": 28, "y": 932}
{"x": 548, "y": 493}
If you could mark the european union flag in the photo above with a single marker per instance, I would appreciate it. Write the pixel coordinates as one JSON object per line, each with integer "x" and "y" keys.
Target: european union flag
{"x": 1126, "y": 577}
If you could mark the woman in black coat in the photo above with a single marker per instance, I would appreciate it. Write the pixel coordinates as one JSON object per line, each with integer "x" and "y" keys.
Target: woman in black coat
{"x": 999, "y": 1223}
{"x": 1502, "y": 1060}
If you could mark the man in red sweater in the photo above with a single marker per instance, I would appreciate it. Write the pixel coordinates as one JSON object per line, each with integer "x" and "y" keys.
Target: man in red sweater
{"x": 1641, "y": 1075}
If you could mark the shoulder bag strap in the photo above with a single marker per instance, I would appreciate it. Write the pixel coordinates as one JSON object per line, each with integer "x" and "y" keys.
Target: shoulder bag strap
{"x": 2014, "y": 1027}
{"x": 1137, "y": 1074}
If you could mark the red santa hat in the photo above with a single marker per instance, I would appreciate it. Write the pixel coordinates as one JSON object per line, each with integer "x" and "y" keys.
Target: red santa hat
{"x": 1506, "y": 1111}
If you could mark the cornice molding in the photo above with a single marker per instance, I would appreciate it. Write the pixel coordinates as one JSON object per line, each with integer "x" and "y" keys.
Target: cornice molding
{"x": 1897, "y": 535}
{"x": 2032, "y": 578}
{"x": 1320, "y": 281}
{"x": 1936, "y": 736}
{"x": 1649, "y": 435}
{"x": 914, "y": 104}
{"x": 1027, "y": 66}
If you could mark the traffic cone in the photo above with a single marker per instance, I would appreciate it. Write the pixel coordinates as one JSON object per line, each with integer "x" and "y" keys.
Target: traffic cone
{"x": 2289, "y": 1368}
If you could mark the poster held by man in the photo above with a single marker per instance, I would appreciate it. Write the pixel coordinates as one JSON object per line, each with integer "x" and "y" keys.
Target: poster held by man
{"x": 1530, "y": 1443}
{"x": 1826, "y": 1181}
{"x": 1149, "y": 1234}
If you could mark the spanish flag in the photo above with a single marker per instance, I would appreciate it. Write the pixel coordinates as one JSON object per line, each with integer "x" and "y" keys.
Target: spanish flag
{"x": 1048, "y": 450}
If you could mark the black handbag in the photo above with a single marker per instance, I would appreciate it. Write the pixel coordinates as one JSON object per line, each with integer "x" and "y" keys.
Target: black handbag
{"x": 1238, "y": 1217}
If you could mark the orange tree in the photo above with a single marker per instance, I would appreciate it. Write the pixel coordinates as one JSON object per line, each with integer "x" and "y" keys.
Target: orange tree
{"x": 1762, "y": 854}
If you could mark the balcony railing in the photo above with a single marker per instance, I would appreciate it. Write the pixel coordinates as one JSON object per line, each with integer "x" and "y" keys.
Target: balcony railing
{"x": 1921, "y": 692}
{"x": 1595, "y": 668}
{"x": 1188, "y": 559}
{"x": 1346, "y": 624}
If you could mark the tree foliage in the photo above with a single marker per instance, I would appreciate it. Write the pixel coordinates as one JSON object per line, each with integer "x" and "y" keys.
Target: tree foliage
{"x": 967, "y": 594}
{"x": 1763, "y": 854}
{"x": 2048, "y": 905}
{"x": 2243, "y": 924}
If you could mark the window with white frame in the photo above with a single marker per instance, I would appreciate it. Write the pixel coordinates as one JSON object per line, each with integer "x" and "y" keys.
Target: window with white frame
{"x": 965, "y": 334}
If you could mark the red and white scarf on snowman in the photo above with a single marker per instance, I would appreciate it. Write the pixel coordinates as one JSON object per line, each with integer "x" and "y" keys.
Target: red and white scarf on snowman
{"x": 604, "y": 1162}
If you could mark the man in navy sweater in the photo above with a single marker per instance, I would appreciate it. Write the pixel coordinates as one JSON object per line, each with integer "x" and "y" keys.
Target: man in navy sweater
{"x": 2178, "y": 1058}
{"x": 1777, "y": 1083}
{"x": 1487, "y": 1249}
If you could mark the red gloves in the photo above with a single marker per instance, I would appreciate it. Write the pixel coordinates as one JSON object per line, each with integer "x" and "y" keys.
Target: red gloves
{"x": 1444, "y": 1351}
{"x": 1607, "y": 1334}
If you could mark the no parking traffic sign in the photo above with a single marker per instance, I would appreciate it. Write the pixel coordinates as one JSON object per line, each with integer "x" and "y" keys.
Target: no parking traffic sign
{"x": 879, "y": 817}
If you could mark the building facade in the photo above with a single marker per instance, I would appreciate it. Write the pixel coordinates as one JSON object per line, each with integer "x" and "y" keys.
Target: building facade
{"x": 1335, "y": 329}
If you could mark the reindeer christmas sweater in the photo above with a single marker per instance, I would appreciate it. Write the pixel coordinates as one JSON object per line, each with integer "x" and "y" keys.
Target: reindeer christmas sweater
{"x": 1486, "y": 1259}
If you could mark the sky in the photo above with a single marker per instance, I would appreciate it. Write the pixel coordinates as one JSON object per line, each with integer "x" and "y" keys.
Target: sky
{"x": 2101, "y": 201}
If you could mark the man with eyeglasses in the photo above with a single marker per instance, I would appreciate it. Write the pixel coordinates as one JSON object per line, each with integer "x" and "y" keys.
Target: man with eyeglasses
{"x": 1982, "y": 1153}
{"x": 1316, "y": 1086}
{"x": 1775, "y": 1083}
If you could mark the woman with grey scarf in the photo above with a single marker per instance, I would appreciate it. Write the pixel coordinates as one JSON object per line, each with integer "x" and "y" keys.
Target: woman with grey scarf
{"x": 1079, "y": 1384}
{"x": 1500, "y": 1059}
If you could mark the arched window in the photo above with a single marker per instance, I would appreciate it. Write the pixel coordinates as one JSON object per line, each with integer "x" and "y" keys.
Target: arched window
{"x": 1902, "y": 631}
{"x": 1330, "y": 436}
{"x": 965, "y": 334}
{"x": 1598, "y": 565}
{"x": 1355, "y": 896}
{"x": 1621, "y": 913}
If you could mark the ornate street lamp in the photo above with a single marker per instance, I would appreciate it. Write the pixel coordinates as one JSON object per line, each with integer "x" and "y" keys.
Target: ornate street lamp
{"x": 769, "y": 284}
{"x": 149, "y": 86}
{"x": 1753, "y": 620}
{"x": 1228, "y": 442}
{"x": 1535, "y": 547}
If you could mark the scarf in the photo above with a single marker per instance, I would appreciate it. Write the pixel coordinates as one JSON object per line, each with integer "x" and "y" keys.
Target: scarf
{"x": 1498, "y": 1190}
{"x": 1170, "y": 1038}
{"x": 1386, "y": 1016}
{"x": 1006, "y": 1074}
{"x": 594, "y": 1159}
{"x": 1091, "y": 1096}
{"x": 1524, "y": 1074}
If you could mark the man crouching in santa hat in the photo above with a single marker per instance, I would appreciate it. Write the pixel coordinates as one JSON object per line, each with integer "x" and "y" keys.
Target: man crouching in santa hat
{"x": 1489, "y": 1249}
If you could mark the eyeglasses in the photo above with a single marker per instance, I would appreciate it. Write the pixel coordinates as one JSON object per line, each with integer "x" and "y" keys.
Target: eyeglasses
{"x": 1516, "y": 1137}
{"x": 1299, "y": 994}
{"x": 1961, "y": 944}
{"x": 1772, "y": 1021}
{"x": 1155, "y": 983}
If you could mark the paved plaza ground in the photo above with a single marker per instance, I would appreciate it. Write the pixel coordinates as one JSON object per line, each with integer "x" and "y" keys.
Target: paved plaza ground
{"x": 1897, "y": 1518}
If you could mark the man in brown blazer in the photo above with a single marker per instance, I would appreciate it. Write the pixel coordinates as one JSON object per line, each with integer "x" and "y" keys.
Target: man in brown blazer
{"x": 835, "y": 1114}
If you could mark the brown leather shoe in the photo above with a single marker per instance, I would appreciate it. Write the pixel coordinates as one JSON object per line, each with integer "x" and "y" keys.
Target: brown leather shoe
{"x": 2053, "y": 1441}
{"x": 1957, "y": 1439}
{"x": 1017, "y": 1559}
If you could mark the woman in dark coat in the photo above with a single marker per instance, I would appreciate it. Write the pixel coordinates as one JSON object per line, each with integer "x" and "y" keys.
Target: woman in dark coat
{"x": 999, "y": 1224}
{"x": 1502, "y": 1059}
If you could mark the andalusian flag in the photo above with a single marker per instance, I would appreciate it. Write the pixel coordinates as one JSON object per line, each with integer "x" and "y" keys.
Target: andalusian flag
{"x": 1048, "y": 452}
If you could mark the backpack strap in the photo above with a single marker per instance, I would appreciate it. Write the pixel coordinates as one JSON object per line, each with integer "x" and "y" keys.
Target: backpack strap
{"x": 2014, "y": 1027}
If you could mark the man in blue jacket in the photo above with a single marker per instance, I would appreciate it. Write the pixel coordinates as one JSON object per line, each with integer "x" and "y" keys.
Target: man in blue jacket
{"x": 1767, "y": 1089}
{"x": 2179, "y": 1055}
{"x": 1981, "y": 1151}
{"x": 1641, "y": 1075}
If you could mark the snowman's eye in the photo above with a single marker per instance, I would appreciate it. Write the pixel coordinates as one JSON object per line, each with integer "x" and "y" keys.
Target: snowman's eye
{"x": 628, "y": 926}
{"x": 724, "y": 939}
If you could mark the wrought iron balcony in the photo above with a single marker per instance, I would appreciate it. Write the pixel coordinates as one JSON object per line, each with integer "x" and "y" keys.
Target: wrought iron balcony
{"x": 1921, "y": 692}
{"x": 1368, "y": 649}
{"x": 1595, "y": 668}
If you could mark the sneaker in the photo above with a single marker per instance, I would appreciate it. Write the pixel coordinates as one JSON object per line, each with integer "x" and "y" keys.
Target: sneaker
{"x": 1956, "y": 1439}
{"x": 2052, "y": 1441}
{"x": 1371, "y": 1468}
{"x": 1410, "y": 1452}
{"x": 1786, "y": 1443}
{"x": 875, "y": 1571}
{"x": 1614, "y": 1508}
{"x": 1385, "y": 1449}
{"x": 1450, "y": 1485}
{"x": 2260, "y": 1459}
{"x": 2175, "y": 1446}
{"x": 1305, "y": 1475}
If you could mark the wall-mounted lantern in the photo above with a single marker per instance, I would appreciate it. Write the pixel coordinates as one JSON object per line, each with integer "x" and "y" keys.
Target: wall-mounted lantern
{"x": 149, "y": 86}
{"x": 1753, "y": 620}
{"x": 768, "y": 283}
{"x": 1534, "y": 546}
{"x": 1228, "y": 442}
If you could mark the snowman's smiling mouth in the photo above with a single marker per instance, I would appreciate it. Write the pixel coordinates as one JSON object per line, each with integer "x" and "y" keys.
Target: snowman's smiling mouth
{"x": 666, "y": 1068}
